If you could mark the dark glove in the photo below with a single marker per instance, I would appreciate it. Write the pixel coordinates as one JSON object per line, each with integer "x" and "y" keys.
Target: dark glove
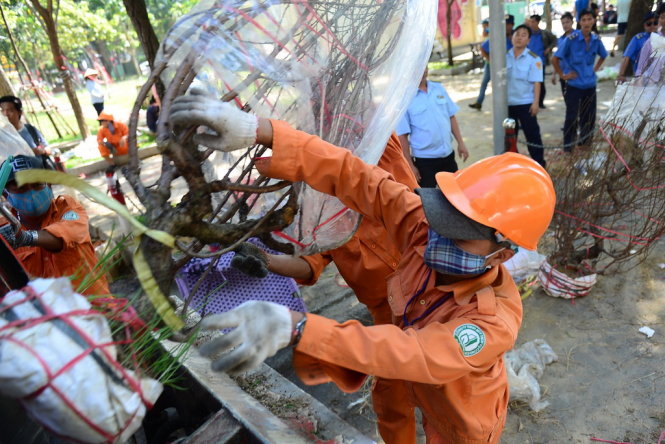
{"x": 21, "y": 239}
{"x": 251, "y": 260}
{"x": 109, "y": 146}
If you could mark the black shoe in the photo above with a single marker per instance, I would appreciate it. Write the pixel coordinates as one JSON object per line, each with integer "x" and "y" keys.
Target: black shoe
{"x": 475, "y": 106}
{"x": 611, "y": 53}
{"x": 542, "y": 106}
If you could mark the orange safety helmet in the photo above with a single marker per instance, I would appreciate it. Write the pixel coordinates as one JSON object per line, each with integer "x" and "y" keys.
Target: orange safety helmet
{"x": 510, "y": 193}
{"x": 105, "y": 116}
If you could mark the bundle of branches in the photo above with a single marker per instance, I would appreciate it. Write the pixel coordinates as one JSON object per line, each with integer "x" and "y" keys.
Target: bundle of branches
{"x": 329, "y": 68}
{"x": 610, "y": 197}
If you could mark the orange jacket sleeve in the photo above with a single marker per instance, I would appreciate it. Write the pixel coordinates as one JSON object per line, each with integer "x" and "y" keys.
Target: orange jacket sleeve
{"x": 72, "y": 227}
{"x": 317, "y": 262}
{"x": 367, "y": 189}
{"x": 329, "y": 351}
{"x": 121, "y": 129}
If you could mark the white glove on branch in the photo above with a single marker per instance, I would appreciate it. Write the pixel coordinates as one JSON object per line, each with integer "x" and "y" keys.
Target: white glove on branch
{"x": 235, "y": 129}
{"x": 261, "y": 329}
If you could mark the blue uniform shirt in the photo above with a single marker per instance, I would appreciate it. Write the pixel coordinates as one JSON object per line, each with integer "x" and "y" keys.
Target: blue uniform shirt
{"x": 523, "y": 72}
{"x": 634, "y": 47}
{"x": 581, "y": 57}
{"x": 486, "y": 45}
{"x": 536, "y": 45}
{"x": 559, "y": 43}
{"x": 580, "y": 5}
{"x": 427, "y": 121}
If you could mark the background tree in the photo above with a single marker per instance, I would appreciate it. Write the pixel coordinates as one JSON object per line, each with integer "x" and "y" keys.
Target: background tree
{"x": 6, "y": 88}
{"x": 27, "y": 72}
{"x": 136, "y": 10}
{"x": 49, "y": 19}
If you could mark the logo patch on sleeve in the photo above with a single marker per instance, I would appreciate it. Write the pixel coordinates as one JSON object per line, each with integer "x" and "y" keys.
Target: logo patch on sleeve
{"x": 70, "y": 215}
{"x": 470, "y": 338}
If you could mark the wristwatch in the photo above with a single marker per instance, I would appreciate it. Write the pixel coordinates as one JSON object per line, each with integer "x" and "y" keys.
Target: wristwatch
{"x": 296, "y": 334}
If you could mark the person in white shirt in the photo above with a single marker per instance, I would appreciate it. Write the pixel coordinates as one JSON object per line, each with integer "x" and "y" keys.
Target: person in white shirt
{"x": 94, "y": 87}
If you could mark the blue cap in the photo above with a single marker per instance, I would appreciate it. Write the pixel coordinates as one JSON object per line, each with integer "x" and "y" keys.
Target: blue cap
{"x": 648, "y": 16}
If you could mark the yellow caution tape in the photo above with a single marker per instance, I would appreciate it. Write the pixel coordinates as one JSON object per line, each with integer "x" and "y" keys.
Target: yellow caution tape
{"x": 94, "y": 194}
{"x": 155, "y": 295}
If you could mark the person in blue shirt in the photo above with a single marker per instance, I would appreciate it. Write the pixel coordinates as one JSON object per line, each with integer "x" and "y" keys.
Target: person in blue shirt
{"x": 485, "y": 51}
{"x": 581, "y": 5}
{"x": 632, "y": 51}
{"x": 542, "y": 42}
{"x": 525, "y": 76}
{"x": 426, "y": 130}
{"x": 567, "y": 25}
{"x": 579, "y": 51}
{"x": 152, "y": 115}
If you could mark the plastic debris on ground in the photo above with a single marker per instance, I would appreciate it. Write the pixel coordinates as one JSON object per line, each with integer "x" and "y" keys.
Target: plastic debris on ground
{"x": 647, "y": 331}
{"x": 525, "y": 365}
{"x": 560, "y": 285}
{"x": 57, "y": 357}
{"x": 608, "y": 72}
{"x": 524, "y": 264}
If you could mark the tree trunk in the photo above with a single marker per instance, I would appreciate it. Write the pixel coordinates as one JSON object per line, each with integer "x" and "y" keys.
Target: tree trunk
{"x": 5, "y": 85}
{"x": 638, "y": 8}
{"x": 138, "y": 13}
{"x": 449, "y": 32}
{"x": 28, "y": 73}
{"x": 59, "y": 59}
{"x": 547, "y": 12}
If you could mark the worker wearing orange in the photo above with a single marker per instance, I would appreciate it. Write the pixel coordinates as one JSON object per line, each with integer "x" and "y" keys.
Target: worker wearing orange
{"x": 365, "y": 262}
{"x": 53, "y": 239}
{"x": 112, "y": 139}
{"x": 455, "y": 308}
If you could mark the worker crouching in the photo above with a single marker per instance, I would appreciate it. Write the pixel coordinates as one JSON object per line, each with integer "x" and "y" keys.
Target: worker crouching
{"x": 112, "y": 140}
{"x": 51, "y": 238}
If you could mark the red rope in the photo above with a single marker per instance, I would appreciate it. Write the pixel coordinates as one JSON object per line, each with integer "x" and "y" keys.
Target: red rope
{"x": 119, "y": 308}
{"x": 302, "y": 245}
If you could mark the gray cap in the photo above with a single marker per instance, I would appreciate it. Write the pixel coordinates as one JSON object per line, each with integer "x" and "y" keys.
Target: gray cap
{"x": 448, "y": 221}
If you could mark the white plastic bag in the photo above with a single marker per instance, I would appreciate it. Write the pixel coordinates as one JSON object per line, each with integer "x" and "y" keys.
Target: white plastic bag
{"x": 344, "y": 71}
{"x": 524, "y": 264}
{"x": 524, "y": 366}
{"x": 560, "y": 285}
{"x": 58, "y": 359}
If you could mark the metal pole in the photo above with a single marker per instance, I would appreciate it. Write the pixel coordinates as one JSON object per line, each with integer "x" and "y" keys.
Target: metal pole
{"x": 498, "y": 72}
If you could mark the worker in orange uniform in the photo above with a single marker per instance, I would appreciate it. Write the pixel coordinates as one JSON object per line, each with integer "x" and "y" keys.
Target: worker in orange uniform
{"x": 112, "y": 139}
{"x": 53, "y": 239}
{"x": 365, "y": 262}
{"x": 455, "y": 308}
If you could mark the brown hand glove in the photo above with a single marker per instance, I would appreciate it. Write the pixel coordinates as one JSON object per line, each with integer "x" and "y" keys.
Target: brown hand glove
{"x": 251, "y": 260}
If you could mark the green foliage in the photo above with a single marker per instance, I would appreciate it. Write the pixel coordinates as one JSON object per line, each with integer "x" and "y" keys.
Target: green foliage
{"x": 83, "y": 24}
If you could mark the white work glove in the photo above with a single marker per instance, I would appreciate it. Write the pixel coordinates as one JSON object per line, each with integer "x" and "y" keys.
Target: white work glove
{"x": 261, "y": 330}
{"x": 235, "y": 129}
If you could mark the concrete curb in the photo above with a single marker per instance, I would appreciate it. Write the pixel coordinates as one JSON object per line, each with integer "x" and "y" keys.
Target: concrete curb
{"x": 101, "y": 165}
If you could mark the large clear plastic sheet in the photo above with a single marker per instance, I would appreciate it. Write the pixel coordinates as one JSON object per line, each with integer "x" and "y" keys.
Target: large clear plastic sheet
{"x": 342, "y": 70}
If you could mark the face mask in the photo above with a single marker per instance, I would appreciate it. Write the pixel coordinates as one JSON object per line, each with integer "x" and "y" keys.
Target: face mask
{"x": 32, "y": 203}
{"x": 443, "y": 256}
